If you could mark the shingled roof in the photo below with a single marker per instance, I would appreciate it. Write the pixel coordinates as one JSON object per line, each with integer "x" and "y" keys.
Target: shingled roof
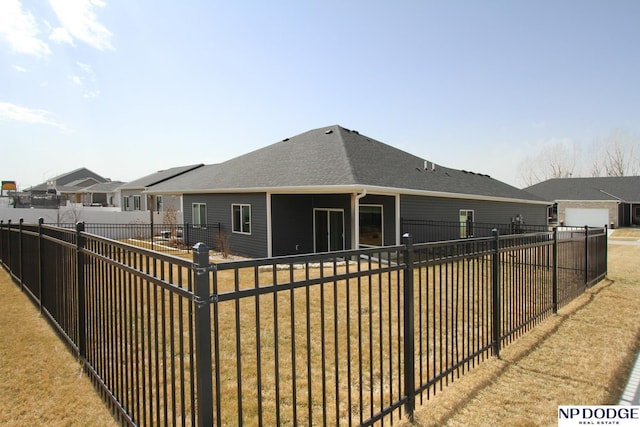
{"x": 70, "y": 181}
{"x": 158, "y": 177}
{"x": 618, "y": 188}
{"x": 337, "y": 158}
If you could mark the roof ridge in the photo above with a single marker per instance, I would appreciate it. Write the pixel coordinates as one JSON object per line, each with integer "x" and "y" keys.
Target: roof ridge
{"x": 343, "y": 148}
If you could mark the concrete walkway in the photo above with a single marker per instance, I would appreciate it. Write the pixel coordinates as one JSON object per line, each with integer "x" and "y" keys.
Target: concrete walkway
{"x": 631, "y": 395}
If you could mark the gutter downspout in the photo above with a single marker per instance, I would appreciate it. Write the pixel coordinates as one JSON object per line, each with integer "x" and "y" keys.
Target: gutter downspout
{"x": 356, "y": 219}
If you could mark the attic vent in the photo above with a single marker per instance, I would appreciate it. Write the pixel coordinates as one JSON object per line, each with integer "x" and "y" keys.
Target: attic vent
{"x": 286, "y": 139}
{"x": 355, "y": 131}
{"x": 429, "y": 165}
{"x": 328, "y": 131}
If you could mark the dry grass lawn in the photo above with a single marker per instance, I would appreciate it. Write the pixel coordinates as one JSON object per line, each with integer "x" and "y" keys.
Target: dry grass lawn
{"x": 580, "y": 357}
{"x": 625, "y": 234}
{"x": 41, "y": 383}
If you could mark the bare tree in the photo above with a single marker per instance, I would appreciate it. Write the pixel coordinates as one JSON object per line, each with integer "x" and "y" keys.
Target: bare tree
{"x": 618, "y": 156}
{"x": 170, "y": 215}
{"x": 557, "y": 159}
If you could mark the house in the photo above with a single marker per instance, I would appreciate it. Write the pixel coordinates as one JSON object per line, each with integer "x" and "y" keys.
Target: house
{"x": 333, "y": 188}
{"x": 64, "y": 188}
{"x": 106, "y": 194}
{"x": 132, "y": 192}
{"x": 597, "y": 201}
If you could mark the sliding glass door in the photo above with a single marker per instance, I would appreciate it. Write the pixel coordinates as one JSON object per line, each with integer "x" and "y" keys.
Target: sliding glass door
{"x": 328, "y": 225}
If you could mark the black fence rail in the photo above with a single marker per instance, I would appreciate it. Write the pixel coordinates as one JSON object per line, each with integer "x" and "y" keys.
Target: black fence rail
{"x": 437, "y": 231}
{"x": 172, "y": 238}
{"x": 316, "y": 339}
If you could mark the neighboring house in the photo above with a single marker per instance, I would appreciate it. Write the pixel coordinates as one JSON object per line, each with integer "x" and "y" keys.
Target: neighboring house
{"x": 599, "y": 201}
{"x": 105, "y": 194}
{"x": 133, "y": 198}
{"x": 62, "y": 188}
{"x": 332, "y": 188}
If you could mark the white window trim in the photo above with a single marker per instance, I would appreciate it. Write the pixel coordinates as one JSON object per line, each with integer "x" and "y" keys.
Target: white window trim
{"x": 196, "y": 206}
{"x": 381, "y": 220}
{"x": 139, "y": 203}
{"x": 241, "y": 205}
{"x": 315, "y": 243}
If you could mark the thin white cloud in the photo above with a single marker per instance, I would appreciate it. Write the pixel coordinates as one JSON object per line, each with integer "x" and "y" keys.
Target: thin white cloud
{"x": 77, "y": 80}
{"x": 18, "y": 113}
{"x": 90, "y": 94}
{"x": 79, "y": 21}
{"x": 18, "y": 29}
{"x": 84, "y": 79}
{"x": 19, "y": 68}
{"x": 86, "y": 68}
{"x": 60, "y": 35}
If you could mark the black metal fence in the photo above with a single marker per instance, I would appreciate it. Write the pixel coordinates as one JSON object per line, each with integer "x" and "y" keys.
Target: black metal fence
{"x": 172, "y": 238}
{"x": 311, "y": 339}
{"x": 437, "y": 231}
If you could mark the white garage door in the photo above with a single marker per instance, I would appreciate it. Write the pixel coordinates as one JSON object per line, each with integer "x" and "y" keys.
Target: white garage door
{"x": 581, "y": 217}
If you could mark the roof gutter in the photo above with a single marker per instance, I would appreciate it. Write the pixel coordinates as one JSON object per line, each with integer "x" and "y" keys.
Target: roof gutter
{"x": 350, "y": 189}
{"x": 614, "y": 196}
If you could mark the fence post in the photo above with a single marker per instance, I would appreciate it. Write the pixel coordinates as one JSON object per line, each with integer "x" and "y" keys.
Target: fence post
{"x": 495, "y": 293}
{"x": 555, "y": 270}
{"x": 20, "y": 255}
{"x": 409, "y": 329}
{"x": 1, "y": 242}
{"x": 40, "y": 263}
{"x": 80, "y": 274}
{"x": 151, "y": 224}
{"x": 203, "y": 335}
{"x": 606, "y": 249}
{"x": 586, "y": 255}
{"x": 9, "y": 246}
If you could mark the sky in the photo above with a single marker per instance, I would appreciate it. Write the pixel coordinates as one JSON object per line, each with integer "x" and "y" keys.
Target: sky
{"x": 127, "y": 88}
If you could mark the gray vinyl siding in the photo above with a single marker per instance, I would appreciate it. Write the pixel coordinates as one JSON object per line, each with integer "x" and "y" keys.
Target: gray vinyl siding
{"x": 292, "y": 220}
{"x": 130, "y": 194}
{"x": 440, "y": 209}
{"x": 219, "y": 211}
{"x": 292, "y": 217}
{"x": 172, "y": 201}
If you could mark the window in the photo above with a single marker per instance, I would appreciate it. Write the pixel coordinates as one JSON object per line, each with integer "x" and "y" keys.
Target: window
{"x": 371, "y": 231}
{"x": 241, "y": 218}
{"x": 136, "y": 203}
{"x": 552, "y": 215}
{"x": 466, "y": 223}
{"x": 159, "y": 203}
{"x": 199, "y": 212}
{"x": 125, "y": 203}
